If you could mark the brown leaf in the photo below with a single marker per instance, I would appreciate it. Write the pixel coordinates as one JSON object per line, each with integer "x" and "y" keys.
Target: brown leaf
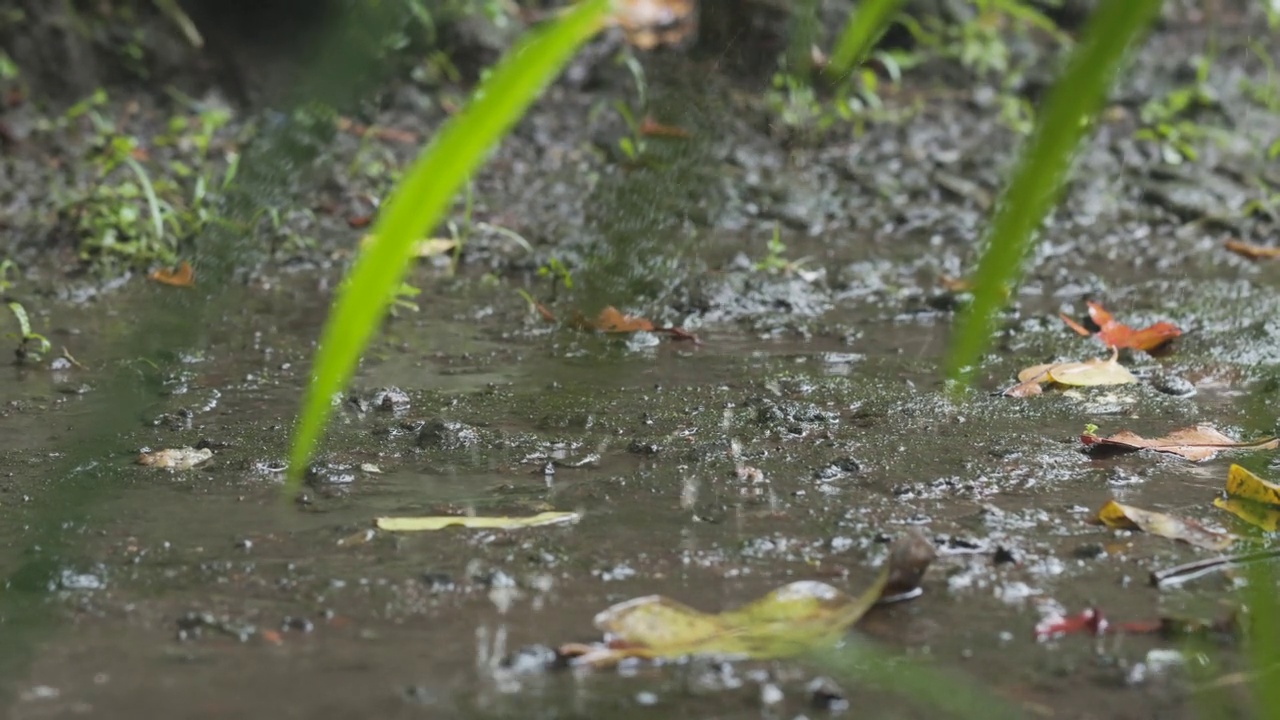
{"x": 1251, "y": 251}
{"x": 652, "y": 128}
{"x": 649, "y": 23}
{"x": 181, "y": 276}
{"x": 1196, "y": 443}
{"x": 611, "y": 320}
{"x": 403, "y": 137}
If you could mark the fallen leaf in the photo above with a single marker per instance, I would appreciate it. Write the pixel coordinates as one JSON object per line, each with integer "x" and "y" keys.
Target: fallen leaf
{"x": 1251, "y": 251}
{"x": 1089, "y": 621}
{"x": 1115, "y": 334}
{"x": 1126, "y": 517}
{"x": 181, "y": 276}
{"x": 1196, "y": 443}
{"x": 787, "y": 621}
{"x": 1092, "y": 622}
{"x": 439, "y": 522}
{"x": 403, "y": 137}
{"x": 175, "y": 458}
{"x": 1098, "y": 371}
{"x": 611, "y": 320}
{"x": 1251, "y": 499}
{"x": 652, "y": 128}
{"x": 649, "y": 23}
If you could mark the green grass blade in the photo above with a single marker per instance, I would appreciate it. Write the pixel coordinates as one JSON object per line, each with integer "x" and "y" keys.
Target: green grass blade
{"x": 421, "y": 199}
{"x": 1037, "y": 180}
{"x": 860, "y": 31}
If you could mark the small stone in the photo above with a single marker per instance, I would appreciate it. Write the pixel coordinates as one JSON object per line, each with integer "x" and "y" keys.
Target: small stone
{"x": 440, "y": 434}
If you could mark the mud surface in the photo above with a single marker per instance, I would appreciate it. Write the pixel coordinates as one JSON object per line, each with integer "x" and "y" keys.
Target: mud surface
{"x": 808, "y": 427}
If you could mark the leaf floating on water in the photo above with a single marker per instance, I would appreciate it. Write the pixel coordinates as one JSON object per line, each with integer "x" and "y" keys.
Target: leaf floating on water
{"x": 1251, "y": 499}
{"x": 1115, "y": 334}
{"x": 1126, "y": 517}
{"x": 787, "y": 621}
{"x": 611, "y": 321}
{"x": 1252, "y": 251}
{"x": 1098, "y": 371}
{"x": 175, "y": 458}
{"x": 181, "y": 276}
{"x": 650, "y": 23}
{"x": 1196, "y": 443}
{"x": 440, "y": 522}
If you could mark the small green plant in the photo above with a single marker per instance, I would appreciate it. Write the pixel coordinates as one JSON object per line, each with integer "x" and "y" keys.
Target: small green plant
{"x": 558, "y": 272}
{"x": 31, "y": 345}
{"x": 138, "y": 204}
{"x": 1169, "y": 121}
{"x": 775, "y": 260}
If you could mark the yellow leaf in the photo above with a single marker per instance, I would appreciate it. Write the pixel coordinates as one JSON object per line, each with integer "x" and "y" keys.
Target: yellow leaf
{"x": 439, "y": 522}
{"x": 787, "y": 621}
{"x": 1126, "y": 517}
{"x": 1091, "y": 372}
{"x": 1245, "y": 485}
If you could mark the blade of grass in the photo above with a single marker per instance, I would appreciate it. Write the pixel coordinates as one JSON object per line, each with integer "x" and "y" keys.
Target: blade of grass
{"x": 860, "y": 31}
{"x": 1037, "y": 180}
{"x": 420, "y": 200}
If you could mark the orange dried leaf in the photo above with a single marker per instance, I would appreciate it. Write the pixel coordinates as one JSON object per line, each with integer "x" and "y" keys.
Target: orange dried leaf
{"x": 1195, "y": 443}
{"x": 1115, "y": 334}
{"x": 543, "y": 312}
{"x": 611, "y": 320}
{"x": 181, "y": 276}
{"x": 403, "y": 137}
{"x": 1251, "y": 251}
{"x": 652, "y": 128}
{"x": 649, "y": 23}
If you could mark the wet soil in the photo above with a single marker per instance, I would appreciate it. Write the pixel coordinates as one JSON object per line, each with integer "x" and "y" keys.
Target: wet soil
{"x": 208, "y": 592}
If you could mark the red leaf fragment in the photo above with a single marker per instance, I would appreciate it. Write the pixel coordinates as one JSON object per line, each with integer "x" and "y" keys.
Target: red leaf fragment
{"x": 611, "y": 321}
{"x": 1089, "y": 621}
{"x": 1115, "y": 334}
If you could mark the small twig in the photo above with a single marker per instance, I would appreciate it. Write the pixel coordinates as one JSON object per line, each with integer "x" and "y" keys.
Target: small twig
{"x": 1180, "y": 574}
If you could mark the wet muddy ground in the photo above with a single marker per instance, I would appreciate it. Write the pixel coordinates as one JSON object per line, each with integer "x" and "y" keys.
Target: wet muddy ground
{"x": 137, "y": 591}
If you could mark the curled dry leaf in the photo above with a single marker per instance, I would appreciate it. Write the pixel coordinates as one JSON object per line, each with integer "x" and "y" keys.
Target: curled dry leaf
{"x": 611, "y": 321}
{"x": 652, "y": 128}
{"x": 1196, "y": 443}
{"x": 1098, "y": 371}
{"x": 175, "y": 458}
{"x": 403, "y": 137}
{"x": 440, "y": 522}
{"x": 181, "y": 276}
{"x": 1115, "y": 334}
{"x": 1252, "y": 251}
{"x": 790, "y": 620}
{"x": 1126, "y": 517}
{"x": 650, "y": 23}
{"x": 1251, "y": 499}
